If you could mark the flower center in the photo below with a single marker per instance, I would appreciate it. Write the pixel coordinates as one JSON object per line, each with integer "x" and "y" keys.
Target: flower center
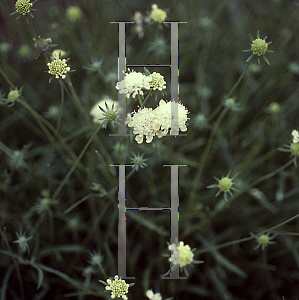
{"x": 259, "y": 47}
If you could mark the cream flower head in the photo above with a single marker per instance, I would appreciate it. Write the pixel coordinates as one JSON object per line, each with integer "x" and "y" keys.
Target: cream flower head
{"x": 133, "y": 84}
{"x": 181, "y": 253}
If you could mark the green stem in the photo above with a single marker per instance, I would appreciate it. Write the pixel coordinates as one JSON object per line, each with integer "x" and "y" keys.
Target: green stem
{"x": 61, "y": 105}
{"x": 209, "y": 143}
{"x": 147, "y": 97}
{"x": 239, "y": 80}
{"x": 140, "y": 101}
{"x": 75, "y": 164}
{"x": 77, "y": 102}
{"x": 203, "y": 159}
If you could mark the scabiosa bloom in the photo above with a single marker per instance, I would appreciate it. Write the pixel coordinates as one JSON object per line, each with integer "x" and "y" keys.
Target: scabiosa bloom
{"x": 58, "y": 67}
{"x": 148, "y": 122}
{"x": 22, "y": 241}
{"x": 133, "y": 84}
{"x": 225, "y": 185}
{"x": 102, "y": 115}
{"x": 118, "y": 287}
{"x": 95, "y": 259}
{"x": 12, "y": 97}
{"x": 293, "y": 147}
{"x": 23, "y": 7}
{"x": 74, "y": 13}
{"x": 274, "y": 108}
{"x": 181, "y": 254}
{"x": 95, "y": 65}
{"x": 158, "y": 46}
{"x": 231, "y": 104}
{"x": 295, "y": 135}
{"x": 145, "y": 123}
{"x": 42, "y": 45}
{"x": 157, "y": 82}
{"x": 53, "y": 112}
{"x": 158, "y": 15}
{"x": 164, "y": 114}
{"x": 138, "y": 161}
{"x": 263, "y": 240}
{"x": 150, "y": 294}
{"x": 200, "y": 121}
{"x": 259, "y": 47}
{"x": 17, "y": 159}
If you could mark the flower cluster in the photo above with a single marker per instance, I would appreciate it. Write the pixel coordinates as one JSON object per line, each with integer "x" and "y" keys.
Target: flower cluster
{"x": 133, "y": 84}
{"x": 259, "y": 47}
{"x": 58, "y": 67}
{"x": 295, "y": 135}
{"x": 157, "y": 14}
{"x": 153, "y": 296}
{"x": 23, "y": 7}
{"x": 148, "y": 122}
{"x": 225, "y": 185}
{"x": 118, "y": 287}
{"x": 157, "y": 82}
{"x": 138, "y": 20}
{"x": 74, "y": 13}
{"x": 42, "y": 45}
{"x": 263, "y": 240}
{"x": 181, "y": 254}
{"x": 293, "y": 147}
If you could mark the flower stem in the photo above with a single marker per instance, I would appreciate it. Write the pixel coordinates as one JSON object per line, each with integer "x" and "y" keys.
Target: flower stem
{"x": 63, "y": 182}
{"x": 140, "y": 101}
{"x": 61, "y": 105}
{"x": 209, "y": 143}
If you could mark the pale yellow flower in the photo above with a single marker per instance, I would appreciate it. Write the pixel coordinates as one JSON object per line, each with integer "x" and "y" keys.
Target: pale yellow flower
{"x": 181, "y": 253}
{"x": 133, "y": 84}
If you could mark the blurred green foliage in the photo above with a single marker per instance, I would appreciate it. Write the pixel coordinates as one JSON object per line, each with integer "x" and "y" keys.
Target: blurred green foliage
{"x": 72, "y": 216}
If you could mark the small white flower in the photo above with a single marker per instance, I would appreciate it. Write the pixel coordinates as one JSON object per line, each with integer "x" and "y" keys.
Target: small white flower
{"x": 295, "y": 135}
{"x": 183, "y": 253}
{"x": 133, "y": 84}
{"x": 118, "y": 287}
{"x": 150, "y": 294}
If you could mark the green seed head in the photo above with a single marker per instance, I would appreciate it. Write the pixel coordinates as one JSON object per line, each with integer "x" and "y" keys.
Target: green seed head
{"x": 13, "y": 95}
{"x": 259, "y": 47}
{"x": 225, "y": 184}
{"x": 230, "y": 102}
{"x": 23, "y": 7}
{"x": 111, "y": 115}
{"x": 274, "y": 107}
{"x": 295, "y": 149}
{"x": 263, "y": 239}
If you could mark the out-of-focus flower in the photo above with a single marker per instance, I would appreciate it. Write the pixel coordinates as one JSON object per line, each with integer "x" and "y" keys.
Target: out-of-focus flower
{"x": 42, "y": 45}
{"x": 74, "y": 13}
{"x": 158, "y": 15}
{"x": 22, "y": 241}
{"x": 181, "y": 254}
{"x": 150, "y": 294}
